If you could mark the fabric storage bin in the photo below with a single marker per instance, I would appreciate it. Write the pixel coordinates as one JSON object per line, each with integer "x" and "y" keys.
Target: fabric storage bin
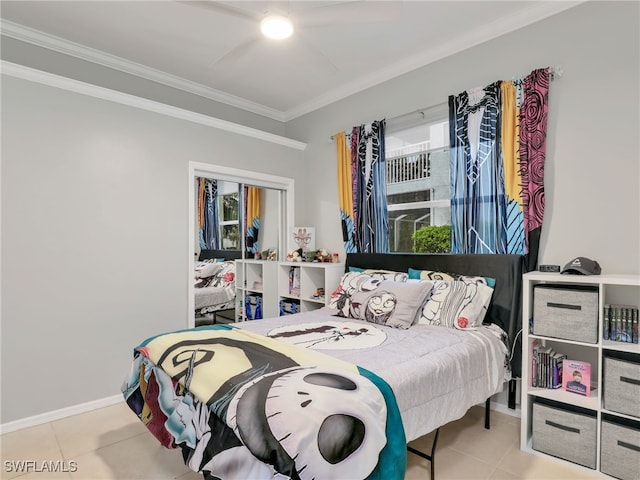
{"x": 566, "y": 311}
{"x": 565, "y": 432}
{"x": 622, "y": 383}
{"x": 620, "y": 448}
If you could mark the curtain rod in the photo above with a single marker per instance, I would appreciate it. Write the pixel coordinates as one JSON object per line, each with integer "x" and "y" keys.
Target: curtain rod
{"x": 419, "y": 111}
{"x": 554, "y": 73}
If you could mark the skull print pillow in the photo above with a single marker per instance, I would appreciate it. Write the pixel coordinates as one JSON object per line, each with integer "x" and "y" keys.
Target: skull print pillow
{"x": 396, "y": 304}
{"x": 358, "y": 281}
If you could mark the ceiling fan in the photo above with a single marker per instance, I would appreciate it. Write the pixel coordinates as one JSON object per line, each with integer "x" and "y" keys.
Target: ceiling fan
{"x": 302, "y": 15}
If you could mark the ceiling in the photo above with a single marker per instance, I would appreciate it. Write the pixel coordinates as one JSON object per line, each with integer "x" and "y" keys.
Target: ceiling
{"x": 215, "y": 48}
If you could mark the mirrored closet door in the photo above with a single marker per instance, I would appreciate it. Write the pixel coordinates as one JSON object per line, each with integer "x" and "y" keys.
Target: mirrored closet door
{"x": 235, "y": 215}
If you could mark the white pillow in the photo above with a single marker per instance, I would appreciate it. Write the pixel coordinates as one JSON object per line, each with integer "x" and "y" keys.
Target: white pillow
{"x": 457, "y": 304}
{"x": 207, "y": 269}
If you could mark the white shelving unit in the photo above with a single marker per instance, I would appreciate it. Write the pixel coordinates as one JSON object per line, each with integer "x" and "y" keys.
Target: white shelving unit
{"x": 312, "y": 276}
{"x": 256, "y": 277}
{"x": 611, "y": 289}
{"x": 270, "y": 280}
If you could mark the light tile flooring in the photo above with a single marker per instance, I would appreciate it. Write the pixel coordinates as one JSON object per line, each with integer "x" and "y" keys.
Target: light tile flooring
{"x": 111, "y": 443}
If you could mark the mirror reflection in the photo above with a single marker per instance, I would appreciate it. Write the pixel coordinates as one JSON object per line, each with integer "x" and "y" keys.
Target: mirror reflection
{"x": 233, "y": 220}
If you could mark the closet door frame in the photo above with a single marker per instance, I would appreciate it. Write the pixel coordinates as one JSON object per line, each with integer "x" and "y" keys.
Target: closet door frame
{"x": 255, "y": 179}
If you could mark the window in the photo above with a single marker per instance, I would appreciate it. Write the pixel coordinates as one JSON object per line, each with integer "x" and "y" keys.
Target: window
{"x": 229, "y": 219}
{"x": 417, "y": 162}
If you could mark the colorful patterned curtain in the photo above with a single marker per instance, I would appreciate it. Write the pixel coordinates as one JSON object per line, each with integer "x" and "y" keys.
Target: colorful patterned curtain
{"x": 252, "y": 218}
{"x": 498, "y": 144}
{"x": 208, "y": 217}
{"x": 371, "y": 214}
{"x": 345, "y": 191}
{"x": 477, "y": 187}
{"x": 533, "y": 114}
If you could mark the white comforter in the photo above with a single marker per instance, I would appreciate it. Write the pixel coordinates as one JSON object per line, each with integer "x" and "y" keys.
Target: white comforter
{"x": 436, "y": 373}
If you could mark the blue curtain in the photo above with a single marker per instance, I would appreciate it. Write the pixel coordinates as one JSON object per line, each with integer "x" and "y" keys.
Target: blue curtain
{"x": 498, "y": 150}
{"x": 370, "y": 188}
{"x": 208, "y": 217}
{"x": 478, "y": 203}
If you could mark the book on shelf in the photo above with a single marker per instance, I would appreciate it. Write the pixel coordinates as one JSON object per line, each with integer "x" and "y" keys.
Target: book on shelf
{"x": 576, "y": 377}
{"x": 606, "y": 321}
{"x": 620, "y": 323}
{"x": 294, "y": 281}
{"x": 546, "y": 366}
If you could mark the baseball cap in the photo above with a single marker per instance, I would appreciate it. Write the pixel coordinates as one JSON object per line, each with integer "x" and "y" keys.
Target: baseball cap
{"x": 582, "y": 266}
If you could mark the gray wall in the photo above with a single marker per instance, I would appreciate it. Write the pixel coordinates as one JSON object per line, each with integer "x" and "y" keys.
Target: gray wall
{"x": 95, "y": 194}
{"x": 95, "y": 237}
{"x": 592, "y": 165}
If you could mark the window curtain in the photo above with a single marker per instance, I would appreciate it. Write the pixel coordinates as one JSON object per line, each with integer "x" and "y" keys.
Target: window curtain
{"x": 477, "y": 187}
{"x": 345, "y": 192}
{"x": 498, "y": 148}
{"x": 370, "y": 185}
{"x": 252, "y": 218}
{"x": 208, "y": 217}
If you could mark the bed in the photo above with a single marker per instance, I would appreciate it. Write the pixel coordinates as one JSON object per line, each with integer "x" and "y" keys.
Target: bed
{"x": 214, "y": 281}
{"x": 390, "y": 378}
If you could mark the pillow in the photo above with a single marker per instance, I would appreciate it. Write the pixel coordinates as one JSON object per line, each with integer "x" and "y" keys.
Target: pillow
{"x": 456, "y": 304}
{"x": 226, "y": 275}
{"x": 432, "y": 275}
{"x": 396, "y": 304}
{"x": 206, "y": 269}
{"x": 352, "y": 282}
{"x": 388, "y": 274}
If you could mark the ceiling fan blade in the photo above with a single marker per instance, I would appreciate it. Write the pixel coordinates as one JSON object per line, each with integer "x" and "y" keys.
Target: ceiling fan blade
{"x": 226, "y": 8}
{"x": 235, "y": 53}
{"x": 350, "y": 13}
{"x": 319, "y": 54}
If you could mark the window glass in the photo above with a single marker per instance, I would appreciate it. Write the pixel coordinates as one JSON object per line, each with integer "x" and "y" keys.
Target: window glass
{"x": 228, "y": 208}
{"x": 417, "y": 169}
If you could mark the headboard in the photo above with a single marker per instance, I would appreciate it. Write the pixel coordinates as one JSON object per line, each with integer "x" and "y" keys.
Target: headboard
{"x": 505, "y": 308}
{"x": 226, "y": 254}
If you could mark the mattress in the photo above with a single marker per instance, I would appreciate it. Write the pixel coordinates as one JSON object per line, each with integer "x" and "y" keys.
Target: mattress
{"x": 213, "y": 296}
{"x": 436, "y": 373}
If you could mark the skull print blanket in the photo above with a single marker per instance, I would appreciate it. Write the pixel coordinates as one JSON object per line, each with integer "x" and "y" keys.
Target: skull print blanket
{"x": 244, "y": 406}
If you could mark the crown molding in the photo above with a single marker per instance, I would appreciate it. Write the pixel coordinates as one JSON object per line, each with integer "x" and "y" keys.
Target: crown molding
{"x": 66, "y": 47}
{"x": 64, "y": 83}
{"x": 536, "y": 12}
{"x": 482, "y": 34}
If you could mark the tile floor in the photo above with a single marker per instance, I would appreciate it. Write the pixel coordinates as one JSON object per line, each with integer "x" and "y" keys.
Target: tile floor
{"x": 112, "y": 444}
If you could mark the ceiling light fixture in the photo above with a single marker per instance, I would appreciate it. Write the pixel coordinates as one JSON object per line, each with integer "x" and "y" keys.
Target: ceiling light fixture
{"x": 276, "y": 27}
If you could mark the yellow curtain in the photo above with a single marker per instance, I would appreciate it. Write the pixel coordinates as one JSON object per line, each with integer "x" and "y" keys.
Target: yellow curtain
{"x": 510, "y": 144}
{"x": 200, "y": 203}
{"x": 345, "y": 192}
{"x": 253, "y": 203}
{"x": 345, "y": 182}
{"x": 253, "y": 218}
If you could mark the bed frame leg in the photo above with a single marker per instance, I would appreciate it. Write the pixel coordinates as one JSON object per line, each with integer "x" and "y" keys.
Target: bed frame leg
{"x": 431, "y": 458}
{"x": 487, "y": 413}
{"x": 512, "y": 394}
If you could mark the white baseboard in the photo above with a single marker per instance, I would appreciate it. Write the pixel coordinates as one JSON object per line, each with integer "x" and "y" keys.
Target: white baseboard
{"x": 502, "y": 408}
{"x": 58, "y": 414}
